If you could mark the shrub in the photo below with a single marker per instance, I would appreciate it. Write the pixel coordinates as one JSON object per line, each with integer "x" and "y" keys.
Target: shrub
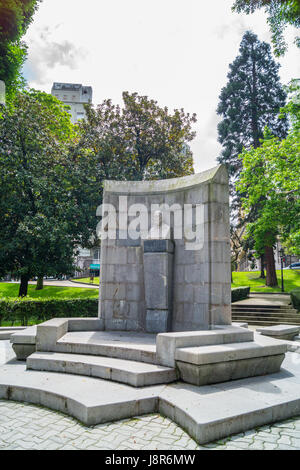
{"x": 239, "y": 293}
{"x": 25, "y": 310}
{"x": 295, "y": 298}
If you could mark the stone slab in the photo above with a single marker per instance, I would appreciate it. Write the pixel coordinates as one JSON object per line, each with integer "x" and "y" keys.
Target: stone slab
{"x": 213, "y": 373}
{"x": 49, "y": 332}
{"x": 90, "y": 400}
{"x": 27, "y": 336}
{"x": 280, "y": 331}
{"x": 7, "y": 331}
{"x": 134, "y": 373}
{"x": 262, "y": 346}
{"x": 167, "y": 343}
{"x": 123, "y": 345}
{"x": 207, "y": 413}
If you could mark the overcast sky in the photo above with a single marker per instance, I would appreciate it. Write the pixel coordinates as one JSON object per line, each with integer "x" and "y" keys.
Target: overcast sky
{"x": 175, "y": 51}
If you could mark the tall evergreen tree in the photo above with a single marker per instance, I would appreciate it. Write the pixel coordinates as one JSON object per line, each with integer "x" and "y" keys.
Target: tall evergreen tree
{"x": 249, "y": 102}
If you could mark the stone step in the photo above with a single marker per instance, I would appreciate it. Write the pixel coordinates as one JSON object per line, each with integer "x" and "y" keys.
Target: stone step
{"x": 259, "y": 321}
{"x": 265, "y": 306}
{"x": 137, "y": 374}
{"x": 130, "y": 346}
{"x": 262, "y": 346}
{"x": 266, "y": 310}
{"x": 266, "y": 315}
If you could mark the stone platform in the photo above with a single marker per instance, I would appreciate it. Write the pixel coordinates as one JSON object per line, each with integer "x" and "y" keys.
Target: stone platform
{"x": 207, "y": 413}
{"x": 218, "y": 354}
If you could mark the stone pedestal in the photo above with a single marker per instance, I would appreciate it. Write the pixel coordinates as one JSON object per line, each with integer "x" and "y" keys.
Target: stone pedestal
{"x": 158, "y": 281}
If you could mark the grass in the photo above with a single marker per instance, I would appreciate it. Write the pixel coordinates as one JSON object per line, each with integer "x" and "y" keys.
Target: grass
{"x": 10, "y": 290}
{"x": 291, "y": 281}
{"x": 86, "y": 280}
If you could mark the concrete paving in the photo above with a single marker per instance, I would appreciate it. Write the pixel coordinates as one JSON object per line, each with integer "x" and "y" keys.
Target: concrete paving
{"x": 25, "y": 427}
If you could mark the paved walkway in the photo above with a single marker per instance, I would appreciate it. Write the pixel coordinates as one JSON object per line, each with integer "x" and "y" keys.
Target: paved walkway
{"x": 265, "y": 299}
{"x": 24, "y": 426}
{"x": 66, "y": 284}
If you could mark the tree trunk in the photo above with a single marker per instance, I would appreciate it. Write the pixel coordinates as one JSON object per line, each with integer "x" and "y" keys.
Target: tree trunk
{"x": 271, "y": 280}
{"x": 23, "y": 286}
{"x": 40, "y": 283}
{"x": 262, "y": 267}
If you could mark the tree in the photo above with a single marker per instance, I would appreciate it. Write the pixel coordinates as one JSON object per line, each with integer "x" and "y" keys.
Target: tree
{"x": 47, "y": 198}
{"x": 157, "y": 140}
{"x": 250, "y": 101}
{"x": 140, "y": 141}
{"x": 15, "y": 17}
{"x": 270, "y": 180}
{"x": 280, "y": 14}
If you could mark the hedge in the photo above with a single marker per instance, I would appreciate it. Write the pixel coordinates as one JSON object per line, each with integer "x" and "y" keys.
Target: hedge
{"x": 23, "y": 310}
{"x": 239, "y": 293}
{"x": 295, "y": 298}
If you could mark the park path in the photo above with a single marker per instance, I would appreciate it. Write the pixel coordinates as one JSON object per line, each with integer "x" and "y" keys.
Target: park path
{"x": 57, "y": 283}
{"x": 265, "y": 299}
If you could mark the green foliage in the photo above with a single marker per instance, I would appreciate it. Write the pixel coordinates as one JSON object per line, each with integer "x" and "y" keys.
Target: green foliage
{"x": 270, "y": 181}
{"x": 47, "y": 199}
{"x": 15, "y": 17}
{"x": 140, "y": 141}
{"x": 280, "y": 14}
{"x": 239, "y": 293}
{"x": 295, "y": 298}
{"x": 25, "y": 311}
{"x": 249, "y": 102}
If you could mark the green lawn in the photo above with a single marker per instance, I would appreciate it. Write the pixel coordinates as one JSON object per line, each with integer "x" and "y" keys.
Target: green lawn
{"x": 86, "y": 280}
{"x": 49, "y": 292}
{"x": 252, "y": 279}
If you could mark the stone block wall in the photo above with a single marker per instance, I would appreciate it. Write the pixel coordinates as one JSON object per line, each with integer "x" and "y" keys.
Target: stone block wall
{"x": 201, "y": 277}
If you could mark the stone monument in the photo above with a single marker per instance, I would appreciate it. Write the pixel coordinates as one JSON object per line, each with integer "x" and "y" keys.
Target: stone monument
{"x": 165, "y": 293}
{"x": 177, "y": 277}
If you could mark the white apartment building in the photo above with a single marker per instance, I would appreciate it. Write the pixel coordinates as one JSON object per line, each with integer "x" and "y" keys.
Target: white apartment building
{"x": 74, "y": 95}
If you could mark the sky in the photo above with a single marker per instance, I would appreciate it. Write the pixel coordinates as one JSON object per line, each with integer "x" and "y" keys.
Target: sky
{"x": 174, "y": 51}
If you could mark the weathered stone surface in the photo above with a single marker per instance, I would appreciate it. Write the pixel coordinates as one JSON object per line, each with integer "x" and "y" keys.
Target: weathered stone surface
{"x": 201, "y": 272}
{"x": 26, "y": 336}
{"x": 206, "y": 374}
{"x": 23, "y": 351}
{"x": 208, "y": 413}
{"x": 168, "y": 343}
{"x": 157, "y": 321}
{"x": 287, "y": 332}
{"x": 137, "y": 374}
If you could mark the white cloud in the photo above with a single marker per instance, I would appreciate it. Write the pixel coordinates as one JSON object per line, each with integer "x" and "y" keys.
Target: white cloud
{"x": 175, "y": 51}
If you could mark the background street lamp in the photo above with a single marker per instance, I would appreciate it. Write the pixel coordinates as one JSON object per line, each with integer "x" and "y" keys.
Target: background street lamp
{"x": 282, "y": 255}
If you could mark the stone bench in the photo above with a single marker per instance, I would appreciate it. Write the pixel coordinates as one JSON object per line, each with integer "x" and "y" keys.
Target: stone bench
{"x": 24, "y": 343}
{"x": 287, "y": 332}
